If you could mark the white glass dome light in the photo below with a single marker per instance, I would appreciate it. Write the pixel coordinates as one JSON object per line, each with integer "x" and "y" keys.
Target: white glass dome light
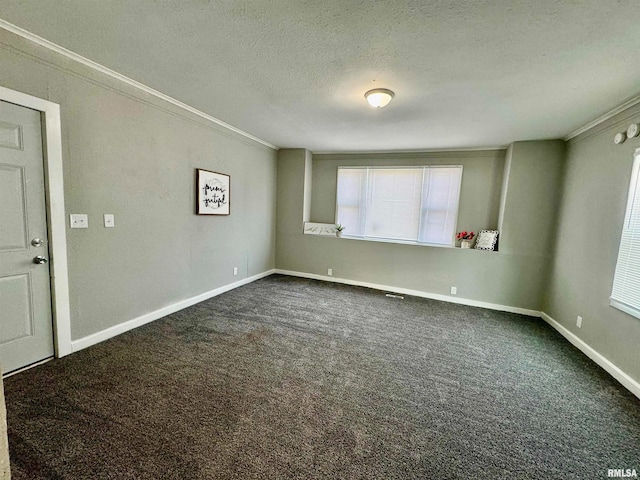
{"x": 379, "y": 97}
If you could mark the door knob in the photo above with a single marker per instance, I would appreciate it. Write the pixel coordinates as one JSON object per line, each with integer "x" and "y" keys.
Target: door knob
{"x": 39, "y": 260}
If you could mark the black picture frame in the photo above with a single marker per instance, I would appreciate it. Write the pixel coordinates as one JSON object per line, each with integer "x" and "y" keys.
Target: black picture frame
{"x": 487, "y": 240}
{"x": 213, "y": 193}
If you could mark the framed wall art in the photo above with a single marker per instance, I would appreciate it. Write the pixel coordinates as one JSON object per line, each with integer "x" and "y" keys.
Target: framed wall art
{"x": 487, "y": 240}
{"x": 213, "y": 193}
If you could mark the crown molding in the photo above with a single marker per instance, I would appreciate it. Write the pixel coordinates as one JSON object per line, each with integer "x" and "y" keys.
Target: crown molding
{"x": 416, "y": 153}
{"x": 603, "y": 118}
{"x": 21, "y": 32}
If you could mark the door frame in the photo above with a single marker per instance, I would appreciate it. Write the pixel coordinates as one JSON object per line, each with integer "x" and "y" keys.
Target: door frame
{"x": 56, "y": 218}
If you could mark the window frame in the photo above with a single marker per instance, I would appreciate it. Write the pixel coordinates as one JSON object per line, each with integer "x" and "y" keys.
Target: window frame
{"x": 633, "y": 199}
{"x": 451, "y": 244}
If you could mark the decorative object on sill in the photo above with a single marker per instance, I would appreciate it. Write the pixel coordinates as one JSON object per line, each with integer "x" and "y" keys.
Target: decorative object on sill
{"x": 487, "y": 240}
{"x": 324, "y": 229}
{"x": 339, "y": 229}
{"x": 213, "y": 193}
{"x": 633, "y": 130}
{"x": 465, "y": 238}
{"x": 379, "y": 97}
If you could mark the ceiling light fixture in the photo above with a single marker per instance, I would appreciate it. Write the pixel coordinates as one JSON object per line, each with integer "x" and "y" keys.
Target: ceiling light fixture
{"x": 379, "y": 97}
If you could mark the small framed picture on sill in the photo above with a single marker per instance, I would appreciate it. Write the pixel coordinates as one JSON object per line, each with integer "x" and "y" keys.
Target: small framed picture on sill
{"x": 487, "y": 240}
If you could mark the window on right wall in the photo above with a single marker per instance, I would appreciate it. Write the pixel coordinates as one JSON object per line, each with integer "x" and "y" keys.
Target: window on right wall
{"x": 625, "y": 294}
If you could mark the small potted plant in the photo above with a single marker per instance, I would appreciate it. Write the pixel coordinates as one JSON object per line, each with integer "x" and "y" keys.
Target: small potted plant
{"x": 339, "y": 229}
{"x": 465, "y": 238}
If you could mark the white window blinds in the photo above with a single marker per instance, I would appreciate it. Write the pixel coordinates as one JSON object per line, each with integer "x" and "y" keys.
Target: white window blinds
{"x": 393, "y": 207}
{"x": 625, "y": 294}
{"x": 417, "y": 204}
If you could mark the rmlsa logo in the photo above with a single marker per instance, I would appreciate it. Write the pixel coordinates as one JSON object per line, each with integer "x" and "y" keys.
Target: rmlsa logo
{"x": 622, "y": 473}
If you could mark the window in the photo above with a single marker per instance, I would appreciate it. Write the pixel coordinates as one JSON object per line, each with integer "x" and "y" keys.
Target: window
{"x": 625, "y": 294}
{"x": 411, "y": 204}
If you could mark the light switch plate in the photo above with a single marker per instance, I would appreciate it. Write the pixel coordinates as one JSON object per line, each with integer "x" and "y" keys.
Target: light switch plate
{"x": 109, "y": 220}
{"x": 79, "y": 220}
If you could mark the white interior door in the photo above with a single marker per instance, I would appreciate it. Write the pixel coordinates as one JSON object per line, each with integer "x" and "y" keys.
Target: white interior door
{"x": 26, "y": 331}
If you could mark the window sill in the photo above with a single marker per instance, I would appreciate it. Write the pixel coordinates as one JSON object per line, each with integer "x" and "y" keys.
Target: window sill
{"x": 626, "y": 308}
{"x": 393, "y": 240}
{"x": 389, "y": 240}
{"x": 329, "y": 230}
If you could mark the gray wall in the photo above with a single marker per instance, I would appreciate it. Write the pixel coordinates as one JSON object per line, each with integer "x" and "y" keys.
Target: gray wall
{"x": 293, "y": 198}
{"x": 529, "y": 201}
{"x": 479, "y": 196}
{"x": 515, "y": 277}
{"x": 590, "y": 218}
{"x": 130, "y": 154}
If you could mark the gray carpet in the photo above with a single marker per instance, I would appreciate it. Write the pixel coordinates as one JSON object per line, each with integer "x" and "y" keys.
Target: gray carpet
{"x": 288, "y": 378}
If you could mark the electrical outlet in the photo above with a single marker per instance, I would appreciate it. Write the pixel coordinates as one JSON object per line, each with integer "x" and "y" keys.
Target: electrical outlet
{"x": 79, "y": 220}
{"x": 235, "y": 271}
{"x": 330, "y": 272}
{"x": 454, "y": 290}
{"x": 579, "y": 322}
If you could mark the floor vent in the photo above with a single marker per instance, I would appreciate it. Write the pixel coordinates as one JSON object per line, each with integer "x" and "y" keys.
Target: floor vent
{"x": 394, "y": 295}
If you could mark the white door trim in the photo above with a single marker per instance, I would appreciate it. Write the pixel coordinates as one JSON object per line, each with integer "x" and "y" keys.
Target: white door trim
{"x": 54, "y": 191}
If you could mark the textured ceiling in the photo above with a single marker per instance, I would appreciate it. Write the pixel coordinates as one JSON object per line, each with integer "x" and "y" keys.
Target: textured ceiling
{"x": 470, "y": 73}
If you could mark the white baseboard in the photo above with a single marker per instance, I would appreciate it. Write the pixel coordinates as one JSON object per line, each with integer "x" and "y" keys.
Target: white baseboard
{"x": 157, "y": 314}
{"x": 626, "y": 381}
{"x": 415, "y": 293}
